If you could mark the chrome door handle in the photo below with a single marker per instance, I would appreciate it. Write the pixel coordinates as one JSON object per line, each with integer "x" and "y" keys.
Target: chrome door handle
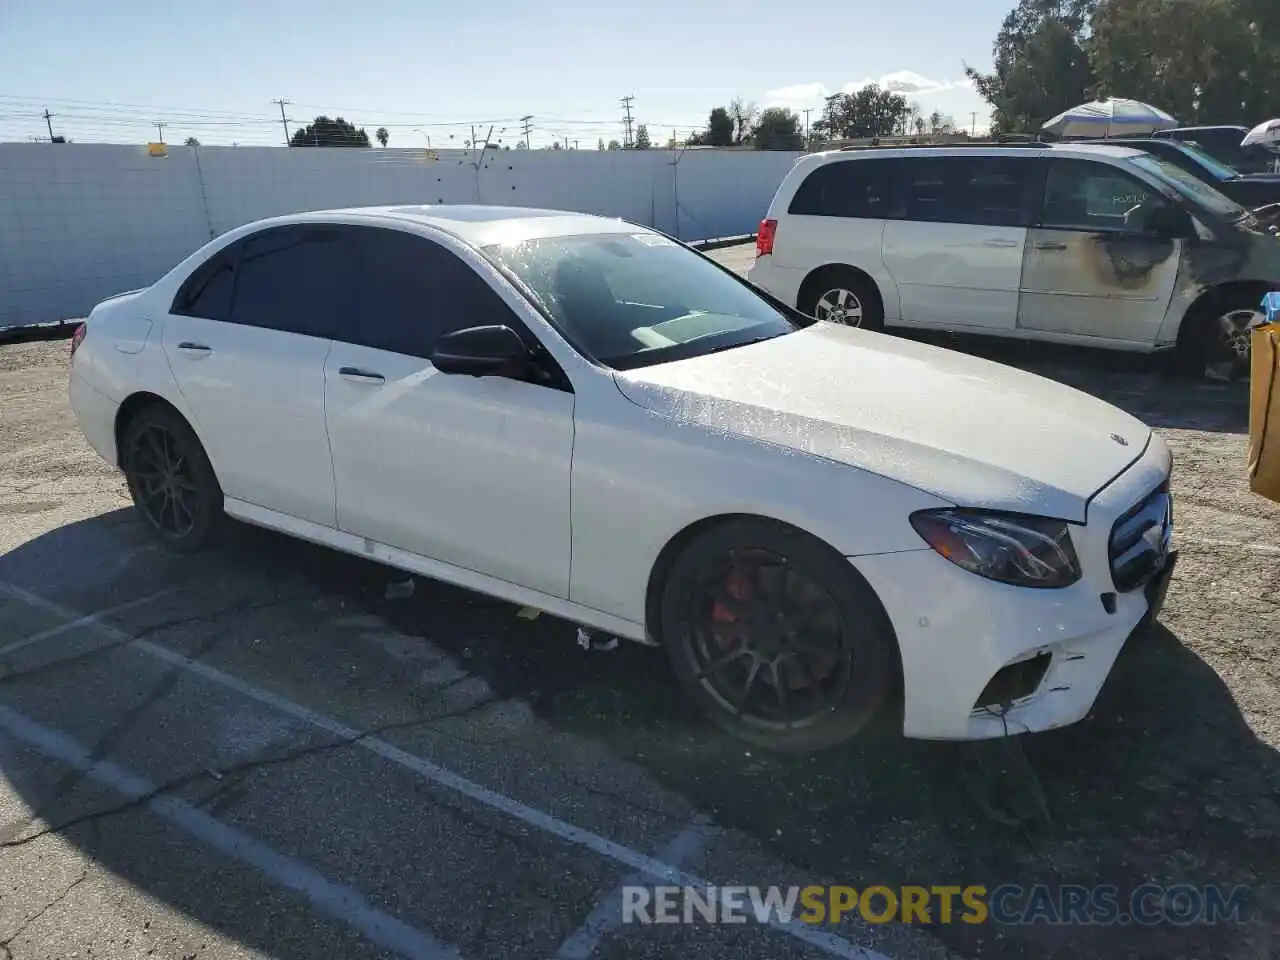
{"x": 186, "y": 346}
{"x": 1051, "y": 245}
{"x": 356, "y": 375}
{"x": 1000, "y": 243}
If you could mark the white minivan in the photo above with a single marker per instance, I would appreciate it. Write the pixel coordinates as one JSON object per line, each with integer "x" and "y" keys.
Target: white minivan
{"x": 1084, "y": 244}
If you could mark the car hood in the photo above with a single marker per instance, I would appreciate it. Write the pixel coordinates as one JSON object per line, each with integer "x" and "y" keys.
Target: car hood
{"x": 973, "y": 432}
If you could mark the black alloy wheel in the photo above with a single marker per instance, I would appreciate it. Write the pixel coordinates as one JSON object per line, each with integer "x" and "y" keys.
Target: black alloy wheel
{"x": 776, "y": 637}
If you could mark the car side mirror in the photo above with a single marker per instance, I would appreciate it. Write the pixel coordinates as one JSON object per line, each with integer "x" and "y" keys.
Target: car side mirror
{"x": 1169, "y": 222}
{"x": 489, "y": 351}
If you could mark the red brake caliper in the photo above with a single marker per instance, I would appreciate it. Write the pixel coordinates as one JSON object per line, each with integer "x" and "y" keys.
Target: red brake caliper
{"x": 722, "y": 617}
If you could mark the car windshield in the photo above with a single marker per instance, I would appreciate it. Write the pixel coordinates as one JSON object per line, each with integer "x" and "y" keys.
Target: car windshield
{"x": 1192, "y": 188}
{"x": 1215, "y": 166}
{"x": 636, "y": 298}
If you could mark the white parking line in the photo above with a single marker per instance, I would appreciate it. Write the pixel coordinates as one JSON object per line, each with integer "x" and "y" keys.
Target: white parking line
{"x": 632, "y": 859}
{"x": 88, "y": 621}
{"x": 343, "y": 903}
{"x": 607, "y": 916}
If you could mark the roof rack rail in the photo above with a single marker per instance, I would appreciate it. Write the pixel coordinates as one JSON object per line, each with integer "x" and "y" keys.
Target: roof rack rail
{"x": 962, "y": 144}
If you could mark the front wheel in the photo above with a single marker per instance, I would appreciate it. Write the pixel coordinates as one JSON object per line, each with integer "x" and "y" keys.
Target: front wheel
{"x": 1217, "y": 344}
{"x": 776, "y": 637}
{"x": 170, "y": 479}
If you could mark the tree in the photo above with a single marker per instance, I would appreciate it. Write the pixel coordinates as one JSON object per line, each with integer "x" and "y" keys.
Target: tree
{"x": 382, "y": 136}
{"x": 614, "y": 145}
{"x": 1041, "y": 66}
{"x": 720, "y": 129}
{"x": 191, "y": 142}
{"x": 869, "y": 112}
{"x": 1228, "y": 74}
{"x": 778, "y": 129}
{"x": 642, "y": 137}
{"x": 744, "y": 117}
{"x": 324, "y": 132}
{"x": 600, "y": 144}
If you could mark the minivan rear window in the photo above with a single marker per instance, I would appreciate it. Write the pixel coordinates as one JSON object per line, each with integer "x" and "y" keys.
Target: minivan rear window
{"x": 856, "y": 187}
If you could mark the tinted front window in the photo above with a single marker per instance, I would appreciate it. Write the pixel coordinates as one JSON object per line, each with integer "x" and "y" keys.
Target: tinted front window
{"x": 846, "y": 188}
{"x": 1192, "y": 188}
{"x": 294, "y": 279}
{"x": 992, "y": 191}
{"x": 413, "y": 290}
{"x": 633, "y": 299}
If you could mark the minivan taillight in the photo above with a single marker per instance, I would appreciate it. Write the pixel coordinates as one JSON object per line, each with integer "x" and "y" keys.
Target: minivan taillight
{"x": 764, "y": 238}
{"x": 77, "y": 338}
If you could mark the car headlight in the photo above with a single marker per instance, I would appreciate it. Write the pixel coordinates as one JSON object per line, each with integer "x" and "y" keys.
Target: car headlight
{"x": 1010, "y": 548}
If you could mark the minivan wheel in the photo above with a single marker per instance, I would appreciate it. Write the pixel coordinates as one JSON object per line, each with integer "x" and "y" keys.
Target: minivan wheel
{"x": 842, "y": 296}
{"x": 170, "y": 479}
{"x": 1218, "y": 344}
{"x": 775, "y": 637}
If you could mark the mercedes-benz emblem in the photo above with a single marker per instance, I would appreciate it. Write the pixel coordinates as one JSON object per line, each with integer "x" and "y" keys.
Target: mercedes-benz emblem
{"x": 1119, "y": 439}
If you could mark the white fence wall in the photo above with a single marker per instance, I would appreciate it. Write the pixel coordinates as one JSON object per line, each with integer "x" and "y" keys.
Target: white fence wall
{"x": 79, "y": 222}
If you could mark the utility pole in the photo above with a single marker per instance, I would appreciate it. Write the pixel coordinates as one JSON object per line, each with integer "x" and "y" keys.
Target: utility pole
{"x": 160, "y": 130}
{"x": 528, "y": 126}
{"x": 973, "y": 118}
{"x": 282, "y": 101}
{"x": 626, "y": 105}
{"x": 807, "y": 111}
{"x": 48, "y": 119}
{"x": 473, "y": 136}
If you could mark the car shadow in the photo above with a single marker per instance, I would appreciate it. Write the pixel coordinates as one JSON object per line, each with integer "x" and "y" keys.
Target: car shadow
{"x": 1143, "y": 385}
{"x": 1164, "y": 783}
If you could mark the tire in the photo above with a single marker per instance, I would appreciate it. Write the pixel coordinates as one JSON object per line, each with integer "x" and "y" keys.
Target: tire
{"x": 1215, "y": 345}
{"x": 726, "y": 635}
{"x": 170, "y": 479}
{"x": 842, "y": 295}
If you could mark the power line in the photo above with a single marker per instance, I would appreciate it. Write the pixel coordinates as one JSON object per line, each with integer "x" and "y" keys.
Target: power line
{"x": 283, "y": 119}
{"x": 626, "y": 105}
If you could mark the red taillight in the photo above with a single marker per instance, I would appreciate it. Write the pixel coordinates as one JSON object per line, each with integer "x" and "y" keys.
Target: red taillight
{"x": 77, "y": 338}
{"x": 764, "y": 239}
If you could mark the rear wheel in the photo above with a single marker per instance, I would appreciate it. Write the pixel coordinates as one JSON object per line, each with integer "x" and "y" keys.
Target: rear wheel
{"x": 170, "y": 478}
{"x": 844, "y": 296}
{"x": 776, "y": 637}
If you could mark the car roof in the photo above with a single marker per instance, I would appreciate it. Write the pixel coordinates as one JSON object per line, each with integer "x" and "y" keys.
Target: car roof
{"x": 475, "y": 224}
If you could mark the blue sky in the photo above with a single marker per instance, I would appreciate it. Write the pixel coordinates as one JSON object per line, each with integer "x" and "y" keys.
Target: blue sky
{"x": 424, "y": 68}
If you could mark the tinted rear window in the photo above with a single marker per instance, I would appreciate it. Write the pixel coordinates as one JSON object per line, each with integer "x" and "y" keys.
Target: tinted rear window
{"x": 993, "y": 191}
{"x": 846, "y": 188}
{"x": 294, "y": 279}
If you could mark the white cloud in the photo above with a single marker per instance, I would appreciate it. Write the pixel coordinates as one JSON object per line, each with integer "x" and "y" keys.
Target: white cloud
{"x": 954, "y": 98}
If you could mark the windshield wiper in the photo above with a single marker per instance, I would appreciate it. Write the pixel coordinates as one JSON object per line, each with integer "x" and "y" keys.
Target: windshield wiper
{"x": 740, "y": 343}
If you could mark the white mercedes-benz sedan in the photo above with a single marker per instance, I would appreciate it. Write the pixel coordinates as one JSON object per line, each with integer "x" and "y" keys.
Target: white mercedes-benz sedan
{"x": 586, "y": 417}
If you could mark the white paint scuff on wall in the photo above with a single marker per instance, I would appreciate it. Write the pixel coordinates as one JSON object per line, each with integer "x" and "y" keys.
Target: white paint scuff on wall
{"x": 80, "y": 222}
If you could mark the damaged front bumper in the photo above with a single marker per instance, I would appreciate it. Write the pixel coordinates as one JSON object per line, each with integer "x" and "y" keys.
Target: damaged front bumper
{"x": 982, "y": 659}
